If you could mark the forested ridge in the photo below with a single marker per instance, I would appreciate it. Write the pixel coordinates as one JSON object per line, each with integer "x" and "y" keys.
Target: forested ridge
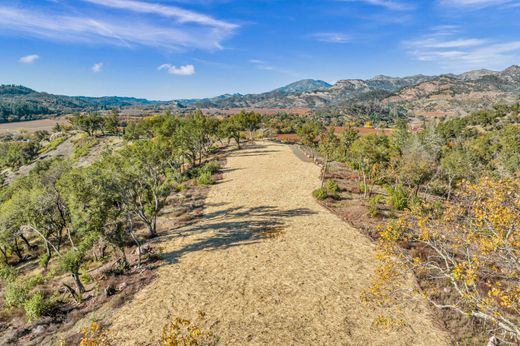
{"x": 19, "y": 103}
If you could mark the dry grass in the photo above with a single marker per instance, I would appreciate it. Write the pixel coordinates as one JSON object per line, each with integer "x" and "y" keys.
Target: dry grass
{"x": 270, "y": 266}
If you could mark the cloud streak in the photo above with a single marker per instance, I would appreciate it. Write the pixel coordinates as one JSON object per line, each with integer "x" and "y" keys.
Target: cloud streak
{"x": 331, "y": 37}
{"x": 184, "y": 70}
{"x": 392, "y": 5}
{"x": 475, "y": 4}
{"x": 29, "y": 59}
{"x": 122, "y": 30}
{"x": 460, "y": 53}
{"x": 182, "y": 15}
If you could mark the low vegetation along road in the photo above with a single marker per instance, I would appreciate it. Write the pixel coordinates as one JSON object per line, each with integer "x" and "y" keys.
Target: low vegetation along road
{"x": 268, "y": 265}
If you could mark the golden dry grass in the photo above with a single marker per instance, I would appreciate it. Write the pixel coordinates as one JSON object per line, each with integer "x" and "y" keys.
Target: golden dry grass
{"x": 269, "y": 266}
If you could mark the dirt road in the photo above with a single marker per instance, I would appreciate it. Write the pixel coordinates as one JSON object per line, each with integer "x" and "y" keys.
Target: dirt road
{"x": 269, "y": 266}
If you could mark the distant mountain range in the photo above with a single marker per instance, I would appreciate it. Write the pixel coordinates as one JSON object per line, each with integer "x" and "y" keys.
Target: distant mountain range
{"x": 418, "y": 96}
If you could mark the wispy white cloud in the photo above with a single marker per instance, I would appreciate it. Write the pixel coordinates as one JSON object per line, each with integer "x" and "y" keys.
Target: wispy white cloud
{"x": 331, "y": 37}
{"x": 29, "y": 59}
{"x": 182, "y": 15}
{"x": 475, "y": 4}
{"x": 123, "y": 30}
{"x": 393, "y": 5}
{"x": 184, "y": 70}
{"x": 96, "y": 68}
{"x": 459, "y": 53}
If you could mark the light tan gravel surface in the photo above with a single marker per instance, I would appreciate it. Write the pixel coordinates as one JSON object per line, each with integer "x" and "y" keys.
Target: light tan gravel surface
{"x": 269, "y": 266}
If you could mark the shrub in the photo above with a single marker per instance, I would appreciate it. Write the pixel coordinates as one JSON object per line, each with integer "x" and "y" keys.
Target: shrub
{"x": 71, "y": 261}
{"x": 181, "y": 332}
{"x": 15, "y": 295}
{"x": 83, "y": 146}
{"x": 94, "y": 336}
{"x": 43, "y": 259}
{"x": 35, "y": 307}
{"x": 211, "y": 167}
{"x": 205, "y": 179}
{"x": 85, "y": 277}
{"x": 320, "y": 194}
{"x": 332, "y": 188}
{"x": 7, "y": 273}
{"x": 34, "y": 281}
{"x": 52, "y": 145}
{"x": 398, "y": 197}
{"x": 373, "y": 206}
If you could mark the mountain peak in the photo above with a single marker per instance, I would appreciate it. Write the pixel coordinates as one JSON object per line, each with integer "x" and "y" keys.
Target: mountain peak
{"x": 304, "y": 85}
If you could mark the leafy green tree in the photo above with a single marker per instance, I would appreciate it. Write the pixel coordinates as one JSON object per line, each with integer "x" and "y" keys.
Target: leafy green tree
{"x": 417, "y": 165}
{"x": 147, "y": 179}
{"x": 369, "y": 155}
{"x": 309, "y": 133}
{"x": 250, "y": 121}
{"x": 347, "y": 138}
{"x": 231, "y": 129}
{"x": 111, "y": 123}
{"x": 89, "y": 123}
{"x": 508, "y": 159}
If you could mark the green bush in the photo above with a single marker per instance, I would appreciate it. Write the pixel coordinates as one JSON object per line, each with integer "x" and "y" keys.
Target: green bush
{"x": 332, "y": 188}
{"x": 7, "y": 273}
{"x": 398, "y": 197}
{"x": 15, "y": 295}
{"x": 35, "y": 306}
{"x": 320, "y": 193}
{"x": 205, "y": 179}
{"x": 373, "y": 206}
{"x": 42, "y": 259}
{"x": 34, "y": 281}
{"x": 211, "y": 167}
{"x": 85, "y": 277}
{"x": 52, "y": 145}
{"x": 71, "y": 261}
{"x": 83, "y": 146}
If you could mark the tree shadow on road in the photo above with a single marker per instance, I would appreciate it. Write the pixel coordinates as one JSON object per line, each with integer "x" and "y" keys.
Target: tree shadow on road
{"x": 234, "y": 226}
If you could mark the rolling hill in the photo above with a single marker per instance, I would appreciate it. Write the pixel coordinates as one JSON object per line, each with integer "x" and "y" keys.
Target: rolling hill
{"x": 18, "y": 103}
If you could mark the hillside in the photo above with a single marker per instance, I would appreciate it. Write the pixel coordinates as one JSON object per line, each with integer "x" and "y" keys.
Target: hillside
{"x": 458, "y": 95}
{"x": 18, "y": 103}
{"x": 419, "y": 95}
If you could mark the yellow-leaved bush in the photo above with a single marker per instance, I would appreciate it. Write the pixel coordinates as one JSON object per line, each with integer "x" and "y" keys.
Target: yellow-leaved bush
{"x": 471, "y": 248}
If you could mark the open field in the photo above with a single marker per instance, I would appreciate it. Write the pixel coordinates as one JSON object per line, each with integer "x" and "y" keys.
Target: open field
{"x": 31, "y": 126}
{"x": 269, "y": 266}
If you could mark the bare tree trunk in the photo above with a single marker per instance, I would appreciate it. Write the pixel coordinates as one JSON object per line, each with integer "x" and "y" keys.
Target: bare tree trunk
{"x": 365, "y": 189}
{"x": 49, "y": 255}
{"x": 3, "y": 250}
{"x": 17, "y": 250}
{"x": 77, "y": 282}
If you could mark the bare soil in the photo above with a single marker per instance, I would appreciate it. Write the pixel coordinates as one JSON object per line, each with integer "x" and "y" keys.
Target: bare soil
{"x": 32, "y": 126}
{"x": 268, "y": 265}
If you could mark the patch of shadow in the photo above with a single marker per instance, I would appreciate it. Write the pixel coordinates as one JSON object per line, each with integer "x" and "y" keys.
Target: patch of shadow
{"x": 236, "y": 226}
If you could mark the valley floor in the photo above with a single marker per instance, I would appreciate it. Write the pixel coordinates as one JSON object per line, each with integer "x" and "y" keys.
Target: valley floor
{"x": 269, "y": 266}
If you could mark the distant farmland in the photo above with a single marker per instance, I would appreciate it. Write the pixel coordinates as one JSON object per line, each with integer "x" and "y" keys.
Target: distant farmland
{"x": 31, "y": 126}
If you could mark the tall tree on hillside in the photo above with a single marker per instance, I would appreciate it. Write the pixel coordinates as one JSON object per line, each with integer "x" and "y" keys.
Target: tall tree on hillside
{"x": 250, "y": 121}
{"x": 328, "y": 148}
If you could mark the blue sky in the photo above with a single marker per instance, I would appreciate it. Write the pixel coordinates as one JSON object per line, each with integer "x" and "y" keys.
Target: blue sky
{"x": 170, "y": 49}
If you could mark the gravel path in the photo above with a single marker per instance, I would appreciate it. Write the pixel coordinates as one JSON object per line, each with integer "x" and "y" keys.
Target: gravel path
{"x": 269, "y": 266}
